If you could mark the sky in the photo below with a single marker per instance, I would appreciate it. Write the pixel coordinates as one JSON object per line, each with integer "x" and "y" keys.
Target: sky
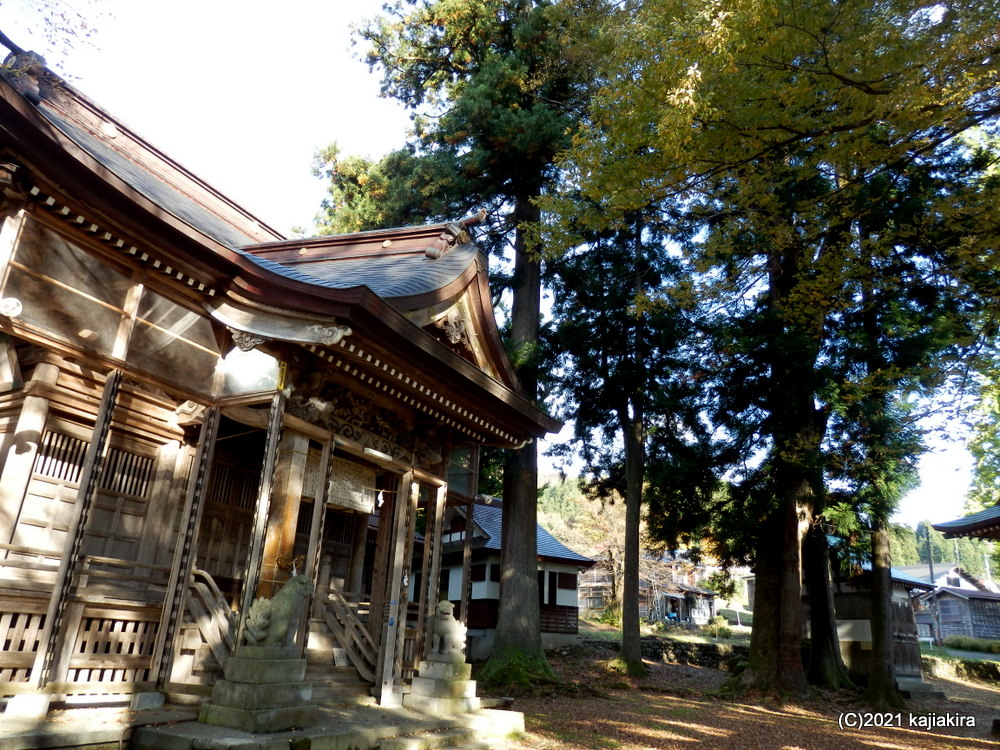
{"x": 244, "y": 92}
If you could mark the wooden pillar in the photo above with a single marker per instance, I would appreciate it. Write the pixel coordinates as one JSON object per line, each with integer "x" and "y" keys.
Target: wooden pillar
{"x": 318, "y": 520}
{"x": 182, "y": 560}
{"x": 467, "y": 562}
{"x": 383, "y": 556}
{"x": 389, "y": 687}
{"x": 20, "y": 460}
{"x": 255, "y": 555}
{"x": 283, "y": 516}
{"x": 409, "y": 534}
{"x": 432, "y": 567}
{"x": 359, "y": 546}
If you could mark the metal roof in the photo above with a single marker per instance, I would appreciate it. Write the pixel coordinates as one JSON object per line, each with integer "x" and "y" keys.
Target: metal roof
{"x": 967, "y": 593}
{"x": 490, "y": 519}
{"x": 389, "y": 276}
{"x": 152, "y": 186}
{"x": 906, "y": 579}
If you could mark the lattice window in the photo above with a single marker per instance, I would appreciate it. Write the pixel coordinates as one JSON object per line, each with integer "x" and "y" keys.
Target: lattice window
{"x": 234, "y": 486}
{"x": 127, "y": 473}
{"x": 949, "y": 609}
{"x": 119, "y": 508}
{"x": 60, "y": 457}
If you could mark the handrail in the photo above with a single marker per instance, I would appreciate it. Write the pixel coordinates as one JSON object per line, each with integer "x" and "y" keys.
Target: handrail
{"x": 351, "y": 634}
{"x": 212, "y": 615}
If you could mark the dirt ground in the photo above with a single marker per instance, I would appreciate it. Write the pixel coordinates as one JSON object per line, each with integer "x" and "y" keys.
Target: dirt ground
{"x": 674, "y": 707}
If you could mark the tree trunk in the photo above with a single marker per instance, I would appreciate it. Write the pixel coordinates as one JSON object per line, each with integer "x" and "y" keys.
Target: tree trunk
{"x": 791, "y": 674}
{"x": 762, "y": 668}
{"x": 797, "y": 430}
{"x": 826, "y": 665}
{"x": 632, "y": 429}
{"x": 518, "y": 660}
{"x": 881, "y": 692}
{"x": 776, "y": 650}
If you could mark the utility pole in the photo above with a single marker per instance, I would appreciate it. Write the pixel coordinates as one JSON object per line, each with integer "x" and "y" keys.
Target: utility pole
{"x": 934, "y": 604}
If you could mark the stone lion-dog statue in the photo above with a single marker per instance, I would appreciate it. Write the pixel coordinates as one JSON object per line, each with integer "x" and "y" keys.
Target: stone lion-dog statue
{"x": 447, "y": 633}
{"x": 272, "y": 622}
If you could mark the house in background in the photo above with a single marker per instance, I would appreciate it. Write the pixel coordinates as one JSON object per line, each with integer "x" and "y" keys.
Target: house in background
{"x": 595, "y": 588}
{"x": 947, "y": 574}
{"x": 476, "y": 593}
{"x": 678, "y": 602}
{"x": 949, "y": 611}
{"x": 961, "y": 610}
{"x": 668, "y": 590}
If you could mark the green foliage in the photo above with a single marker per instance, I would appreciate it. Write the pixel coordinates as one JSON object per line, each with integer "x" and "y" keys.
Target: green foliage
{"x": 836, "y": 230}
{"x": 985, "y": 444}
{"x": 967, "y": 553}
{"x": 611, "y": 614}
{"x": 400, "y": 189}
{"x": 717, "y": 627}
{"x": 721, "y": 583}
{"x": 903, "y": 545}
{"x": 968, "y": 643}
{"x": 493, "y": 96}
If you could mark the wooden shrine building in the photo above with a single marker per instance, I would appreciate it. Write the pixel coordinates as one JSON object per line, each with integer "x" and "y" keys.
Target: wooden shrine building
{"x": 192, "y": 407}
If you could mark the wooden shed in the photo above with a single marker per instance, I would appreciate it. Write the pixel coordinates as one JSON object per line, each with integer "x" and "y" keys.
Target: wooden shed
{"x": 951, "y": 610}
{"x": 192, "y": 407}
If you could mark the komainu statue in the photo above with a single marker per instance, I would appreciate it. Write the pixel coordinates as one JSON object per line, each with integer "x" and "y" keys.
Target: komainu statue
{"x": 447, "y": 634}
{"x": 272, "y": 622}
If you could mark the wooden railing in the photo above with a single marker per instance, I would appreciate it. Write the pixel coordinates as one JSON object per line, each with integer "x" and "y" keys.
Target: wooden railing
{"x": 212, "y": 614}
{"x": 351, "y": 634}
{"x": 559, "y": 619}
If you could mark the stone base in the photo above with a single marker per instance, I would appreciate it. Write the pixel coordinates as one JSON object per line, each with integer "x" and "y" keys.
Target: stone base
{"x": 443, "y": 688}
{"x": 263, "y": 691}
{"x": 28, "y": 706}
{"x": 441, "y": 706}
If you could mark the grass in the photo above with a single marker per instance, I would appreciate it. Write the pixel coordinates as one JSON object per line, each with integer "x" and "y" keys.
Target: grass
{"x": 938, "y": 651}
{"x": 598, "y": 631}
